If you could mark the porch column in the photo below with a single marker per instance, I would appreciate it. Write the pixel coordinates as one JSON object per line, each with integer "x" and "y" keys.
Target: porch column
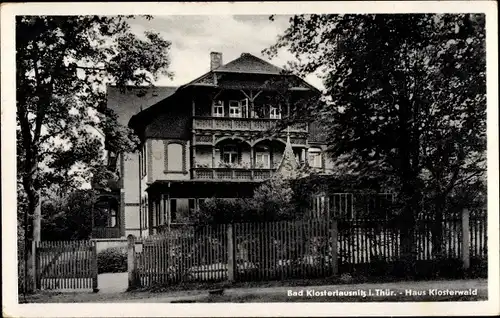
{"x": 323, "y": 159}
{"x": 161, "y": 214}
{"x": 251, "y": 108}
{"x": 271, "y": 157}
{"x": 150, "y": 220}
{"x": 167, "y": 211}
{"x": 151, "y": 215}
{"x": 252, "y": 161}
{"x": 213, "y": 156}
{"x": 213, "y": 151}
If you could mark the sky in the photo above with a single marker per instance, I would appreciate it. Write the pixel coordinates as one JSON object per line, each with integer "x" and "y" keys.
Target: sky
{"x": 193, "y": 37}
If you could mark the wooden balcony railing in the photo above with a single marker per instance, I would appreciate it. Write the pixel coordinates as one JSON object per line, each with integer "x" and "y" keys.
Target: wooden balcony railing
{"x": 239, "y": 174}
{"x": 242, "y": 124}
{"x": 106, "y": 232}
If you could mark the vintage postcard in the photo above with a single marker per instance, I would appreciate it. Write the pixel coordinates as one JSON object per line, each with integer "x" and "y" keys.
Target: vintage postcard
{"x": 248, "y": 158}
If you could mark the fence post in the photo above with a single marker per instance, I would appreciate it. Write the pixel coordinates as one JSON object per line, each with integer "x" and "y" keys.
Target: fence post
{"x": 131, "y": 263}
{"x": 465, "y": 239}
{"x": 95, "y": 271}
{"x": 230, "y": 253}
{"x": 37, "y": 276}
{"x": 335, "y": 256}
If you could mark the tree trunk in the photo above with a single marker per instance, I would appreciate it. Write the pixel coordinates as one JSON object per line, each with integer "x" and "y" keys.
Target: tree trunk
{"x": 407, "y": 225}
{"x": 437, "y": 230}
{"x": 34, "y": 209}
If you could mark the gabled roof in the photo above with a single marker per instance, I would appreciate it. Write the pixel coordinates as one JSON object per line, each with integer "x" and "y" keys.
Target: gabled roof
{"x": 248, "y": 63}
{"x": 131, "y": 100}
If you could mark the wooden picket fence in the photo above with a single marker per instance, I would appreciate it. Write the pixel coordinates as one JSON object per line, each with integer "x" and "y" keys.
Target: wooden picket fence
{"x": 312, "y": 248}
{"x": 66, "y": 265}
{"x": 367, "y": 240}
{"x": 285, "y": 249}
{"x": 187, "y": 254}
{"x": 234, "y": 252}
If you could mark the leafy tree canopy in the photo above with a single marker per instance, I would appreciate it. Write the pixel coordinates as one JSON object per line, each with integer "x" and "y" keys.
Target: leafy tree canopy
{"x": 405, "y": 95}
{"x": 405, "y": 100}
{"x": 63, "y": 64}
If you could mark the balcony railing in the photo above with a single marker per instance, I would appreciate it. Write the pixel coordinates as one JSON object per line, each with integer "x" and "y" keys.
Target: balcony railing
{"x": 238, "y": 174}
{"x": 242, "y": 124}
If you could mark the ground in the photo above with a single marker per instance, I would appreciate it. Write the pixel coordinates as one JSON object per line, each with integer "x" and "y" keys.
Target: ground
{"x": 399, "y": 292}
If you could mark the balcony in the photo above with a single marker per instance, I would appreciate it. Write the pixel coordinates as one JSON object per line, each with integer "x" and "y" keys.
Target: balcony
{"x": 236, "y": 174}
{"x": 242, "y": 124}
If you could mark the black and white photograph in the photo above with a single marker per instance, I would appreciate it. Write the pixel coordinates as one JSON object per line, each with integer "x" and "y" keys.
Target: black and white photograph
{"x": 257, "y": 153}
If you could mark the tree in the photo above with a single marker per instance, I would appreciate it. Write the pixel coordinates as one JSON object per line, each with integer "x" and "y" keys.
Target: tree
{"x": 405, "y": 97}
{"x": 63, "y": 64}
{"x": 68, "y": 217}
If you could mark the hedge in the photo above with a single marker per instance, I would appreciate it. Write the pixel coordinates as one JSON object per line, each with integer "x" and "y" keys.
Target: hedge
{"x": 112, "y": 260}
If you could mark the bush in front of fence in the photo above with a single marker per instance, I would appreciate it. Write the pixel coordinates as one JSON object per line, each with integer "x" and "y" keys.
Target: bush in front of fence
{"x": 112, "y": 260}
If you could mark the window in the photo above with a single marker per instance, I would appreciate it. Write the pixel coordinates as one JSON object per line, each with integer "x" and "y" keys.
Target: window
{"x": 218, "y": 108}
{"x": 112, "y": 161}
{"x": 143, "y": 158}
{"x": 175, "y": 157}
{"x": 297, "y": 157}
{"x": 230, "y": 154}
{"x": 106, "y": 213}
{"x": 191, "y": 205}
{"x": 262, "y": 158}
{"x": 173, "y": 210}
{"x": 244, "y": 108}
{"x": 112, "y": 218}
{"x": 201, "y": 202}
{"x": 144, "y": 213}
{"x": 234, "y": 109}
{"x": 314, "y": 158}
{"x": 275, "y": 112}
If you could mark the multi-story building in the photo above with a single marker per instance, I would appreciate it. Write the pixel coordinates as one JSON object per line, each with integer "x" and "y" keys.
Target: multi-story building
{"x": 212, "y": 137}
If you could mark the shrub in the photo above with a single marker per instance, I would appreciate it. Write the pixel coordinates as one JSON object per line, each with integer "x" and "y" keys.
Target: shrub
{"x": 271, "y": 201}
{"x": 112, "y": 260}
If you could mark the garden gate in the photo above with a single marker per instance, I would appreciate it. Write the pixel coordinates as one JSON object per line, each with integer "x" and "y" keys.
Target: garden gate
{"x": 66, "y": 265}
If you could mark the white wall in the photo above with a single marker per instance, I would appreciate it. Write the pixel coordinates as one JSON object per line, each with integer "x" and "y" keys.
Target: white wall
{"x": 131, "y": 177}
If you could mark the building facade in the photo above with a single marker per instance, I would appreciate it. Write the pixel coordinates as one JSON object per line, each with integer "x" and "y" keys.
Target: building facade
{"x": 218, "y": 136}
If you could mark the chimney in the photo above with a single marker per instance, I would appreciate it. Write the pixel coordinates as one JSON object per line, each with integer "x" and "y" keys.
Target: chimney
{"x": 215, "y": 60}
